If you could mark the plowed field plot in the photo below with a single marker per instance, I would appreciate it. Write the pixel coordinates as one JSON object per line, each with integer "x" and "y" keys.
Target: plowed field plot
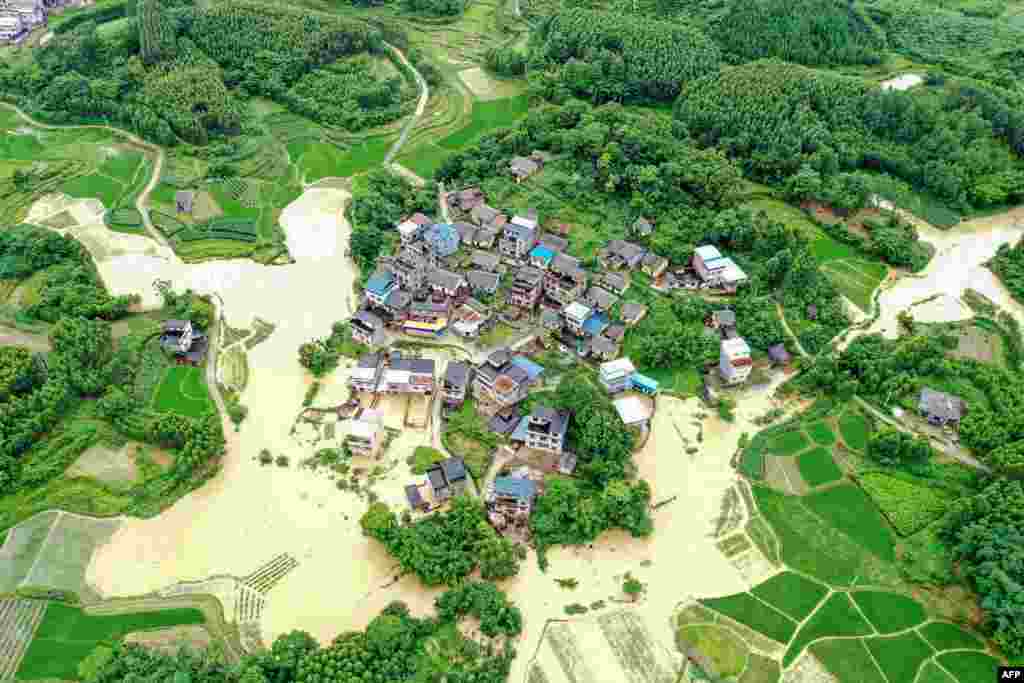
{"x": 20, "y": 550}
{"x": 783, "y": 474}
{"x": 19, "y": 620}
{"x": 615, "y": 647}
{"x": 109, "y": 465}
{"x": 62, "y": 561}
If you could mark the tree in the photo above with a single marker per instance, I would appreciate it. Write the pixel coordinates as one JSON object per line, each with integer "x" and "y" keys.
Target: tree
{"x": 894, "y": 447}
{"x": 81, "y": 350}
{"x": 499, "y": 557}
{"x": 632, "y": 587}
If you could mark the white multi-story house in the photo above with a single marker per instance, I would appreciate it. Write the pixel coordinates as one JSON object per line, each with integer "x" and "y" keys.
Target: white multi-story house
{"x": 734, "y": 361}
{"x": 575, "y": 315}
{"x": 366, "y": 433}
{"x": 617, "y": 375}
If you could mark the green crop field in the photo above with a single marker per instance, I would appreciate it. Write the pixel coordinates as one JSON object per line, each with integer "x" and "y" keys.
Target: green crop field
{"x": 889, "y": 612}
{"x": 837, "y": 617}
{"x": 931, "y": 673}
{"x": 908, "y": 504}
{"x": 102, "y": 187}
{"x": 67, "y": 635}
{"x": 791, "y": 593}
{"x": 848, "y": 660}
{"x": 425, "y": 159}
{"x": 787, "y": 443}
{"x": 23, "y": 546}
{"x": 183, "y": 391}
{"x": 817, "y": 467}
{"x": 900, "y": 656}
{"x": 945, "y": 636}
{"x": 751, "y": 612}
{"x": 122, "y": 166}
{"x": 821, "y": 433}
{"x": 727, "y": 652}
{"x": 856, "y": 278}
{"x": 970, "y": 667}
{"x": 487, "y": 116}
{"x": 760, "y": 670}
{"x": 854, "y": 429}
{"x": 849, "y": 510}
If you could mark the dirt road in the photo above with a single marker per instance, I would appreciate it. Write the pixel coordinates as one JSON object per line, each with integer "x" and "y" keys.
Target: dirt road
{"x": 420, "y": 106}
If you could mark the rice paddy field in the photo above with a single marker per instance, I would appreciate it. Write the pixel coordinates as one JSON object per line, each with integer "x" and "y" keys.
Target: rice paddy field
{"x": 183, "y": 390}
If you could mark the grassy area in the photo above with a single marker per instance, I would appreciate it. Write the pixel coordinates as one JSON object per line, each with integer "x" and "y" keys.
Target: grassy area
{"x": 817, "y": 467}
{"x": 821, "y": 433}
{"x": 854, "y": 429}
{"x": 836, "y": 618}
{"x": 183, "y": 390}
{"x": 968, "y": 667}
{"x": 945, "y": 636}
{"x": 787, "y": 443}
{"x": 67, "y": 635}
{"x": 727, "y": 653}
{"x": 749, "y": 611}
{"x": 849, "y": 510}
{"x": 909, "y": 503}
{"x": 900, "y": 657}
{"x": 423, "y": 457}
{"x": 424, "y": 159}
{"x": 791, "y": 593}
{"x": 466, "y": 435}
{"x": 889, "y": 612}
{"x": 848, "y": 660}
{"x": 683, "y": 381}
{"x": 487, "y": 116}
{"x": 760, "y": 670}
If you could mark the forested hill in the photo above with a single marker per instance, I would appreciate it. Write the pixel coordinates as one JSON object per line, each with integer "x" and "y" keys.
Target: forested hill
{"x": 176, "y": 70}
{"x": 811, "y": 32}
{"x": 610, "y": 56}
{"x": 961, "y": 142}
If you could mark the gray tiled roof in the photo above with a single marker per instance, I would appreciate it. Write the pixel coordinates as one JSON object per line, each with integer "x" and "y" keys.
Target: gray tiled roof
{"x": 456, "y": 373}
{"x": 483, "y": 280}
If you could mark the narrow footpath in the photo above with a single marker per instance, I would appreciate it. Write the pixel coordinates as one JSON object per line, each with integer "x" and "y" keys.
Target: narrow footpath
{"x": 420, "y": 106}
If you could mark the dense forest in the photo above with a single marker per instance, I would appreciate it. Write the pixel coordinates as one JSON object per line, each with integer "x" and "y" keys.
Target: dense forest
{"x": 395, "y": 646}
{"x": 176, "y": 70}
{"x": 1008, "y": 264}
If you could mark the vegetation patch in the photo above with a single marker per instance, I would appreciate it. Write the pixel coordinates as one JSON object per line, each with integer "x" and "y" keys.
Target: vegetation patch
{"x": 945, "y": 636}
{"x": 817, "y": 467}
{"x": 749, "y": 611}
{"x": 909, "y": 504}
{"x": 931, "y": 673}
{"x": 724, "y": 651}
{"x": 183, "y": 391}
{"x": 486, "y": 117}
{"x": 968, "y": 667}
{"x": 787, "y": 443}
{"x": 791, "y": 593}
{"x": 837, "y": 617}
{"x": 67, "y": 635}
{"x": 849, "y": 510}
{"x": 423, "y": 457}
{"x": 900, "y": 656}
{"x": 848, "y": 660}
{"x": 821, "y": 433}
{"x": 854, "y": 428}
{"x": 889, "y": 612}
{"x": 760, "y": 669}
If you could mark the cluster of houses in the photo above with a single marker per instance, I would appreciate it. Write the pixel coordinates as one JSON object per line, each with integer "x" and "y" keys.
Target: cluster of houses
{"x": 185, "y": 342}
{"x": 19, "y": 17}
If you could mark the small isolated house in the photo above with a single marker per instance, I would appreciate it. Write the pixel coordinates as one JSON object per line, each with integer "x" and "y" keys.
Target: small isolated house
{"x": 632, "y": 313}
{"x": 779, "y": 355}
{"x": 187, "y": 343}
{"x": 415, "y": 498}
{"x": 522, "y": 168}
{"x": 940, "y": 408}
{"x": 447, "y": 479}
{"x": 184, "y": 200}
{"x": 617, "y": 376}
{"x": 734, "y": 361}
{"x": 366, "y": 433}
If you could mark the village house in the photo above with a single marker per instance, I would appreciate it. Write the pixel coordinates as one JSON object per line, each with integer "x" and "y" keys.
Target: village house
{"x": 724, "y": 321}
{"x": 523, "y": 168}
{"x": 615, "y": 333}
{"x": 550, "y": 319}
{"x": 409, "y": 269}
{"x": 470, "y": 318}
{"x": 553, "y": 242}
{"x": 407, "y": 376}
{"x": 596, "y": 324}
{"x": 503, "y": 380}
{"x": 21, "y": 16}
{"x": 576, "y": 314}
{"x": 526, "y": 288}
{"x": 616, "y": 376}
{"x": 445, "y": 282}
{"x": 564, "y": 281}
{"x": 184, "y": 200}
{"x": 409, "y": 231}
{"x": 518, "y": 237}
{"x": 778, "y": 354}
{"x": 455, "y": 383}
{"x": 643, "y": 227}
{"x": 442, "y": 239}
{"x": 447, "y": 479}
{"x": 467, "y": 231}
{"x": 541, "y": 256}
{"x": 12, "y": 28}
{"x": 484, "y": 238}
{"x": 615, "y": 282}
{"x": 622, "y": 254}
{"x": 654, "y": 265}
{"x": 632, "y": 411}
{"x": 421, "y": 220}
{"x": 415, "y": 498}
{"x": 482, "y": 281}
{"x": 466, "y": 200}
{"x": 366, "y": 433}
{"x": 427, "y": 318}
{"x": 379, "y": 287}
{"x": 488, "y": 217}
{"x": 513, "y": 495}
{"x": 600, "y": 299}
{"x": 485, "y": 260}
{"x": 715, "y": 269}
{"x": 187, "y": 343}
{"x": 397, "y": 304}
{"x": 366, "y": 375}
{"x": 734, "y": 361}
{"x": 367, "y": 329}
{"x": 632, "y": 313}
{"x": 544, "y": 429}
{"x": 603, "y": 348}
{"x": 941, "y": 409}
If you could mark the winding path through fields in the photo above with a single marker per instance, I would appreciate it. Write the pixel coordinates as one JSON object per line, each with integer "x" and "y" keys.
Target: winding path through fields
{"x": 421, "y": 105}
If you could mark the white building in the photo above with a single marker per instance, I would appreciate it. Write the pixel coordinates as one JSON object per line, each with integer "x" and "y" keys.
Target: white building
{"x": 12, "y": 27}
{"x": 575, "y": 315}
{"x": 734, "y": 361}
{"x": 617, "y": 375}
{"x": 632, "y": 410}
{"x": 366, "y": 433}
{"x": 408, "y": 231}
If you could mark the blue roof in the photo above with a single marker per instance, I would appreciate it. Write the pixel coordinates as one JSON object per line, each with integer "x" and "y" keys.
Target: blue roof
{"x": 519, "y": 434}
{"x": 595, "y": 324}
{"x": 645, "y": 382}
{"x": 515, "y": 487}
{"x": 540, "y": 251}
{"x": 443, "y": 238}
{"x": 379, "y": 283}
{"x": 531, "y": 368}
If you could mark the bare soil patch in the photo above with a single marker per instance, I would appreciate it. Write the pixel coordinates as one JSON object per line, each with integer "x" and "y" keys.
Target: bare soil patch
{"x": 169, "y": 640}
{"x": 782, "y": 474}
{"x": 205, "y": 207}
{"x": 485, "y": 87}
{"x": 33, "y": 342}
{"x": 976, "y": 343}
{"x": 109, "y": 465}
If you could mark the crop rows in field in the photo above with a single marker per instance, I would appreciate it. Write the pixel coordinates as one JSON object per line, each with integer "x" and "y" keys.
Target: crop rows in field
{"x": 19, "y": 620}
